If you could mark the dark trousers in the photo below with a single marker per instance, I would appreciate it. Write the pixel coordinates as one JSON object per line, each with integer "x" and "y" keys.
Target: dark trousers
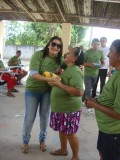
{"x": 108, "y": 146}
{"x": 102, "y": 75}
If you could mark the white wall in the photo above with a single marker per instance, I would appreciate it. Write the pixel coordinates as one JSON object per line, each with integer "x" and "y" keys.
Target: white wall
{"x": 27, "y": 51}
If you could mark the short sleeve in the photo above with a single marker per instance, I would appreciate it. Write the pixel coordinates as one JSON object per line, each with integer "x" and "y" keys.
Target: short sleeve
{"x": 77, "y": 80}
{"x": 11, "y": 60}
{"x": 36, "y": 60}
{"x": 117, "y": 98}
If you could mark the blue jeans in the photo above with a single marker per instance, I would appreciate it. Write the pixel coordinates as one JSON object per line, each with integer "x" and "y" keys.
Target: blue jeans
{"x": 35, "y": 100}
{"x": 89, "y": 83}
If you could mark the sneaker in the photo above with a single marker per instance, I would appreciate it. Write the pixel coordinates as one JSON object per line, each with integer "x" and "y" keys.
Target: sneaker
{"x": 90, "y": 111}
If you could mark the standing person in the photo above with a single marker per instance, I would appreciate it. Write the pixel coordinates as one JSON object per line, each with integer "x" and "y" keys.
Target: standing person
{"x": 66, "y": 103}
{"x": 37, "y": 94}
{"x": 10, "y": 80}
{"x": 103, "y": 71}
{"x": 16, "y": 61}
{"x": 107, "y": 110}
{"x": 93, "y": 61}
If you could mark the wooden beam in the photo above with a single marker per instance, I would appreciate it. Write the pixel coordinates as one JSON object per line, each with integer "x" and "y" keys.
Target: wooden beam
{"x": 56, "y": 2}
{"x": 65, "y": 15}
{"x": 24, "y": 8}
{"x": 15, "y": 11}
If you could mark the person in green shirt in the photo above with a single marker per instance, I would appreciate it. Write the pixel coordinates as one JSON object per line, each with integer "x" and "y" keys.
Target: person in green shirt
{"x": 37, "y": 93}
{"x": 66, "y": 103}
{"x": 16, "y": 61}
{"x": 107, "y": 110}
{"x": 94, "y": 59}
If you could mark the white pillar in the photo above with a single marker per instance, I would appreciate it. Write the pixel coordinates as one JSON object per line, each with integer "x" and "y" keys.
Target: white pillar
{"x": 66, "y": 36}
{"x": 1, "y": 38}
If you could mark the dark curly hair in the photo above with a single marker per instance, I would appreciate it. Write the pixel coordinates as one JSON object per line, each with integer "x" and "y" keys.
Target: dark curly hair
{"x": 80, "y": 56}
{"x": 46, "y": 49}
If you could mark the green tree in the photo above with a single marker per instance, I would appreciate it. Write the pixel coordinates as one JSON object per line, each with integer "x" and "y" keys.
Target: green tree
{"x": 77, "y": 34}
{"x": 29, "y": 33}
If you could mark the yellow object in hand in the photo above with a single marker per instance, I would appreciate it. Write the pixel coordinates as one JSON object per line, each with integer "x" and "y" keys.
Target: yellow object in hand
{"x": 49, "y": 74}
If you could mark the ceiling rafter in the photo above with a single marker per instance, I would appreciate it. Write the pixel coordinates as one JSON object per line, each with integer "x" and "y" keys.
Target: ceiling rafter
{"x": 84, "y": 12}
{"x": 56, "y": 2}
{"x": 24, "y": 8}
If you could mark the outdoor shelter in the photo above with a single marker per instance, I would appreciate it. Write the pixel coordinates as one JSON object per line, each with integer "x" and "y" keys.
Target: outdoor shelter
{"x": 102, "y": 13}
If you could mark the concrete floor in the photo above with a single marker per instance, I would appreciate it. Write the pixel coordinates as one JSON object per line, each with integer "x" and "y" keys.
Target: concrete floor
{"x": 11, "y": 122}
{"x": 11, "y": 133}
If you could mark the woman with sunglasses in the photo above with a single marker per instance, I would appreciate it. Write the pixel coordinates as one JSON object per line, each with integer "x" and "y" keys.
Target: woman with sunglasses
{"x": 37, "y": 94}
{"x": 66, "y": 103}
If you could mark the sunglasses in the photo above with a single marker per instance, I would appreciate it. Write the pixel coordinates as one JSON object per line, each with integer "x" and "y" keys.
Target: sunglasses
{"x": 53, "y": 44}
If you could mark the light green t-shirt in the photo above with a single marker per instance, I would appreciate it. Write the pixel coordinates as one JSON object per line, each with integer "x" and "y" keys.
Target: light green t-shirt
{"x": 62, "y": 101}
{"x": 40, "y": 64}
{"x": 93, "y": 57}
{"x": 15, "y": 59}
{"x": 1, "y": 64}
{"x": 110, "y": 97}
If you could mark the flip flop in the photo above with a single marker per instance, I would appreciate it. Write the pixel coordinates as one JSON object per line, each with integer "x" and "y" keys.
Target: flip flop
{"x": 10, "y": 95}
{"x": 14, "y": 90}
{"x": 25, "y": 148}
{"x": 77, "y": 159}
{"x": 43, "y": 147}
{"x": 59, "y": 153}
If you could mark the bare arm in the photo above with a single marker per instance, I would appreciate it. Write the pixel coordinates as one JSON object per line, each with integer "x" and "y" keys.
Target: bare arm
{"x": 42, "y": 78}
{"x": 103, "y": 63}
{"x": 69, "y": 89}
{"x": 89, "y": 65}
{"x": 91, "y": 103}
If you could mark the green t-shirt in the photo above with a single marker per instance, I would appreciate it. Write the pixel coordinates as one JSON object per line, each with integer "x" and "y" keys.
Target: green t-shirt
{"x": 93, "y": 57}
{"x": 62, "y": 101}
{"x": 15, "y": 59}
{"x": 110, "y": 97}
{"x": 40, "y": 64}
{"x": 1, "y": 64}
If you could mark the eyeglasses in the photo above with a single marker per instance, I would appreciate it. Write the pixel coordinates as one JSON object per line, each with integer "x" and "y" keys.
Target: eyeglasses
{"x": 53, "y": 44}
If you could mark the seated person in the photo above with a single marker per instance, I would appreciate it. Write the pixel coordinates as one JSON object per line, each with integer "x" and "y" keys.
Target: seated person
{"x": 10, "y": 80}
{"x": 16, "y": 61}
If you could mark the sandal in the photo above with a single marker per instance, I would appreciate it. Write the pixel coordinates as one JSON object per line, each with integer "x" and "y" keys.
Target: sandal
{"x": 10, "y": 95}
{"x": 25, "y": 148}
{"x": 59, "y": 152}
{"x": 14, "y": 90}
{"x": 43, "y": 147}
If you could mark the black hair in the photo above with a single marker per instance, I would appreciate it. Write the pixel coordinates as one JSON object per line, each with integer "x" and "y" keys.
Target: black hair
{"x": 103, "y": 38}
{"x": 95, "y": 40}
{"x": 46, "y": 49}
{"x": 80, "y": 56}
{"x": 116, "y": 44}
{"x": 18, "y": 51}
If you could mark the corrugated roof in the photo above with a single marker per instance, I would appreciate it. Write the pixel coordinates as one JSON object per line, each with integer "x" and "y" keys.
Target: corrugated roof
{"x": 81, "y": 12}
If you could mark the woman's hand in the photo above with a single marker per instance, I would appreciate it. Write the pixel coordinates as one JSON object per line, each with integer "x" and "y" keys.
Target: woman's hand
{"x": 54, "y": 81}
{"x": 90, "y": 103}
